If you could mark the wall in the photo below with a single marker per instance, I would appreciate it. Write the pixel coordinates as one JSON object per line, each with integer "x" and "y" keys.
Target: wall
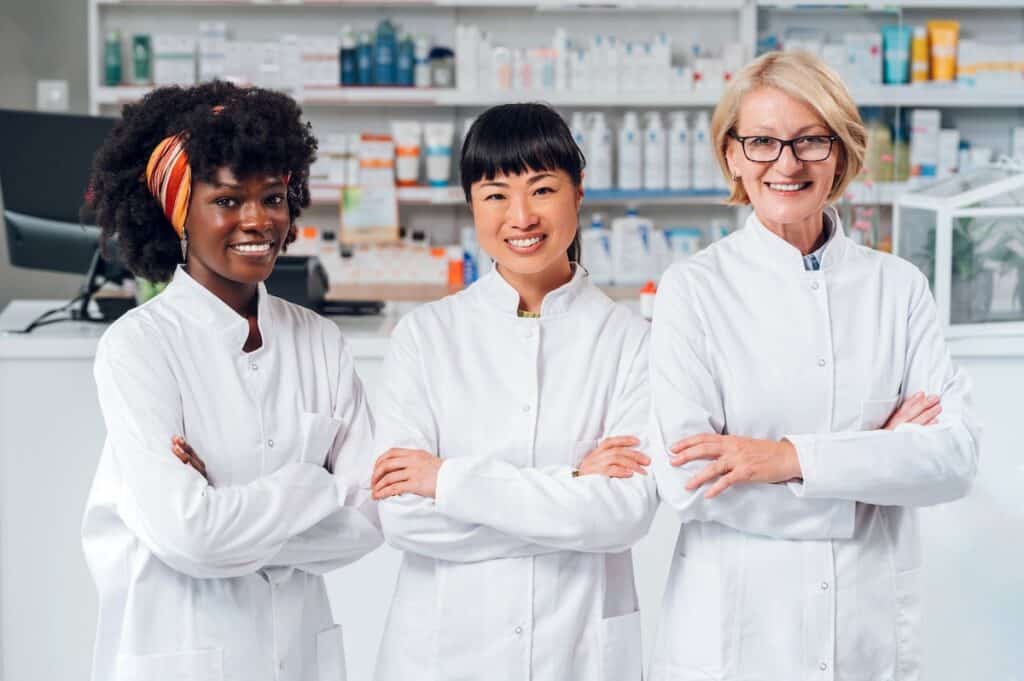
{"x": 40, "y": 39}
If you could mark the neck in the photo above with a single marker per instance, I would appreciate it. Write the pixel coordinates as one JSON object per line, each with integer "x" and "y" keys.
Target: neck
{"x": 534, "y": 286}
{"x": 806, "y": 235}
{"x": 240, "y": 297}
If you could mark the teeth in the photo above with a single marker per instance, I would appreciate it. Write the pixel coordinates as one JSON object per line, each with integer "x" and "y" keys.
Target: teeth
{"x": 252, "y": 248}
{"x": 524, "y": 243}
{"x": 787, "y": 187}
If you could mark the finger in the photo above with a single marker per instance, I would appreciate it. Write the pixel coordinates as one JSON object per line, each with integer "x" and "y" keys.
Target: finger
{"x": 709, "y": 472}
{"x": 393, "y": 478}
{"x": 928, "y": 415}
{"x": 198, "y": 463}
{"x": 177, "y": 451}
{"x": 691, "y": 441}
{"x": 630, "y": 462}
{"x": 391, "y": 491}
{"x": 385, "y": 466}
{"x": 932, "y": 422}
{"x": 187, "y": 447}
{"x": 722, "y": 484}
{"x": 617, "y": 471}
{"x": 631, "y": 454}
{"x": 619, "y": 441}
{"x": 705, "y": 451}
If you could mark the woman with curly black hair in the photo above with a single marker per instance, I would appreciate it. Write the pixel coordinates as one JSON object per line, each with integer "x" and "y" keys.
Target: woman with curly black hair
{"x": 211, "y": 570}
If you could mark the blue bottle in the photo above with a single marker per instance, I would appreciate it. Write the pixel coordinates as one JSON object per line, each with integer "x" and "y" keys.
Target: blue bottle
{"x": 364, "y": 60}
{"x": 384, "y": 56}
{"x": 347, "y": 59}
{"x": 406, "y": 61}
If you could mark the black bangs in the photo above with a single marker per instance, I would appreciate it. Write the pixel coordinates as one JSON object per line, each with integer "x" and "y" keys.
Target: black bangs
{"x": 512, "y": 139}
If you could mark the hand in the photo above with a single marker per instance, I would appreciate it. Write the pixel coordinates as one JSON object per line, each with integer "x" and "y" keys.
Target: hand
{"x": 613, "y": 458}
{"x": 918, "y": 409}
{"x": 405, "y": 471}
{"x": 187, "y": 455}
{"x": 736, "y": 460}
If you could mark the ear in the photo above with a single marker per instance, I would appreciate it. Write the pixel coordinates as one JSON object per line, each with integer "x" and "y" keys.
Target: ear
{"x": 731, "y": 160}
{"x": 579, "y": 190}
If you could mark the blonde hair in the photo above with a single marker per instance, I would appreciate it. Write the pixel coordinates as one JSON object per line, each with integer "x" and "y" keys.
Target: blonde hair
{"x": 806, "y": 78}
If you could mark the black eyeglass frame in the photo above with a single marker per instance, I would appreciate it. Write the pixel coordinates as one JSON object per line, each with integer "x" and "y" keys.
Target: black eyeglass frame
{"x": 783, "y": 144}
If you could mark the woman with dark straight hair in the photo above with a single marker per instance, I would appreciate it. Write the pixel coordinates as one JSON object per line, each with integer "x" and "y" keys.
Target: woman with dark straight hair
{"x": 512, "y": 425}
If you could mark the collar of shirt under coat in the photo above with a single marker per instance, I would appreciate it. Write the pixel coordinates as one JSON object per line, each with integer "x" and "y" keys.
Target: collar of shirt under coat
{"x": 495, "y": 292}
{"x": 784, "y": 256}
{"x": 213, "y": 314}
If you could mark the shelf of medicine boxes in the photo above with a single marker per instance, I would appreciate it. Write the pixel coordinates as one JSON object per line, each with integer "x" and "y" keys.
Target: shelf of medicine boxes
{"x": 429, "y": 97}
{"x": 323, "y": 195}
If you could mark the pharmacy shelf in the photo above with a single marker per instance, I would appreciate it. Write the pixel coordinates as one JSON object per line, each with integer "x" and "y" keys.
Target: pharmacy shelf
{"x": 892, "y": 5}
{"x": 539, "y": 5}
{"x": 875, "y": 193}
{"x": 432, "y": 97}
{"x": 326, "y": 195}
{"x": 938, "y": 96}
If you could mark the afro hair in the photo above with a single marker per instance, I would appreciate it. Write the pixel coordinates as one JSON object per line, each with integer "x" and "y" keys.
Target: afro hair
{"x": 256, "y": 132}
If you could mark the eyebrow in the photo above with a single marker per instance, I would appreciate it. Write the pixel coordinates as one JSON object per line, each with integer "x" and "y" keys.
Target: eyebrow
{"x": 801, "y": 131}
{"x": 270, "y": 181}
{"x": 532, "y": 181}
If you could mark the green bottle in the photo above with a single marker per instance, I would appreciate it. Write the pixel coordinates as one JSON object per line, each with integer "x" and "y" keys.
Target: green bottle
{"x": 141, "y": 59}
{"x": 112, "y": 58}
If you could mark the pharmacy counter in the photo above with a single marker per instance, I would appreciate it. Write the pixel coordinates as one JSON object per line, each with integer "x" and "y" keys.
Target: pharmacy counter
{"x": 51, "y": 434}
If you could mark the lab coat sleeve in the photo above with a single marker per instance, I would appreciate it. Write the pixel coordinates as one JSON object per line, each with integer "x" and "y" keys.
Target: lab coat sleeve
{"x": 193, "y": 527}
{"x": 912, "y": 465}
{"x": 353, "y": 530}
{"x": 410, "y": 522}
{"x": 687, "y": 401}
{"x": 548, "y": 506}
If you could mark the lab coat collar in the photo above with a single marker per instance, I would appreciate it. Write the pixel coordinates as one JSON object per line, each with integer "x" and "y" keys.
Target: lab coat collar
{"x": 201, "y": 305}
{"x": 780, "y": 254}
{"x": 494, "y": 291}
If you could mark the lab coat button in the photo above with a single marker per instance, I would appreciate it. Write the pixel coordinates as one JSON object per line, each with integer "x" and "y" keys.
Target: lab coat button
{"x": 529, "y": 333}
{"x": 823, "y": 667}
{"x": 526, "y": 408}
{"x": 814, "y": 285}
{"x": 518, "y": 630}
{"x": 824, "y": 586}
{"x": 254, "y": 366}
{"x": 821, "y": 362}
{"x": 270, "y": 443}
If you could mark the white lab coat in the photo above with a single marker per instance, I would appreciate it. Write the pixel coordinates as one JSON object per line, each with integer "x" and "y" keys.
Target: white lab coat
{"x": 518, "y": 571}
{"x": 818, "y": 580}
{"x": 219, "y": 581}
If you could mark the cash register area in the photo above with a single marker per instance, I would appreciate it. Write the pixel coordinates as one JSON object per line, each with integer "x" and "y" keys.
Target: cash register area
{"x": 390, "y": 90}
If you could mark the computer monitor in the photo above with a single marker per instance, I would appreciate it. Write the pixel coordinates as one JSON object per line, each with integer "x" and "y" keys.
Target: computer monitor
{"x": 45, "y": 161}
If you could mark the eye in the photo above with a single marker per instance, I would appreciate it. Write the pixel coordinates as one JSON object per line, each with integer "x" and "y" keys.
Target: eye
{"x": 494, "y": 197}
{"x": 274, "y": 200}
{"x": 544, "y": 190}
{"x": 225, "y": 202}
{"x": 761, "y": 141}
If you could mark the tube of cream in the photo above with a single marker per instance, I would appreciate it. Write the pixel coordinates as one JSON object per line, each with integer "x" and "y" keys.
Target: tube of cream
{"x": 407, "y": 136}
{"x": 438, "y": 137}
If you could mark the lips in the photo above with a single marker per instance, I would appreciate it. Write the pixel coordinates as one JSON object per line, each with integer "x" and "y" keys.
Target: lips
{"x": 787, "y": 187}
{"x": 252, "y": 248}
{"x": 526, "y": 244}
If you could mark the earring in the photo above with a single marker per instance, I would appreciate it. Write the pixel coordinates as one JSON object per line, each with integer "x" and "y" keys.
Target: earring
{"x": 184, "y": 246}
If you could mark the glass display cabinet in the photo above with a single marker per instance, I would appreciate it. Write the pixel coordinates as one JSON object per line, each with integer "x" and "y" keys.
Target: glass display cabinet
{"x": 966, "y": 233}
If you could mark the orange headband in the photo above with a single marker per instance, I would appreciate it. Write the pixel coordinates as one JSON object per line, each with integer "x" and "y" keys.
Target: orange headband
{"x": 169, "y": 178}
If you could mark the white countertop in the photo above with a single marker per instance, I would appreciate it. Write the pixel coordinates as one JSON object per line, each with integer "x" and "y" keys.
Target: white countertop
{"x": 367, "y": 336}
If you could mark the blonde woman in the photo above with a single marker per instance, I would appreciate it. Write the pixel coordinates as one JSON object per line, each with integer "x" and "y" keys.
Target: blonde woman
{"x": 806, "y": 404}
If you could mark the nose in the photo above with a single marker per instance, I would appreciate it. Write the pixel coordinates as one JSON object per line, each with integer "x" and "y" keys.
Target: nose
{"x": 519, "y": 213}
{"x": 787, "y": 162}
{"x": 254, "y": 215}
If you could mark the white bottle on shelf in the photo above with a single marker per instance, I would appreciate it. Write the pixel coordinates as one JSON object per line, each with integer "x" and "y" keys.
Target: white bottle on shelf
{"x": 581, "y": 136}
{"x": 630, "y": 153}
{"x": 680, "y": 154}
{"x": 599, "y": 153}
{"x": 703, "y": 158}
{"x": 560, "y": 45}
{"x": 632, "y": 249}
{"x": 596, "y": 242}
{"x": 655, "y": 154}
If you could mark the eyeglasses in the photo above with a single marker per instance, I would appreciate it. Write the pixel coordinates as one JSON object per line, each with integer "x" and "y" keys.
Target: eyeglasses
{"x": 763, "y": 149}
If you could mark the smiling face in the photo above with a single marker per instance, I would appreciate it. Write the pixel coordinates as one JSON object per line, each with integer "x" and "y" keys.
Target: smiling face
{"x": 526, "y": 222}
{"x": 236, "y": 229}
{"x": 789, "y": 191}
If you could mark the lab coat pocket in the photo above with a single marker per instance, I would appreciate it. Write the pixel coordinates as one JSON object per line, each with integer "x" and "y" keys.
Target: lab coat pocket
{"x": 188, "y": 665}
{"x": 318, "y": 433}
{"x": 330, "y": 655}
{"x": 874, "y": 413}
{"x": 621, "y": 654}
